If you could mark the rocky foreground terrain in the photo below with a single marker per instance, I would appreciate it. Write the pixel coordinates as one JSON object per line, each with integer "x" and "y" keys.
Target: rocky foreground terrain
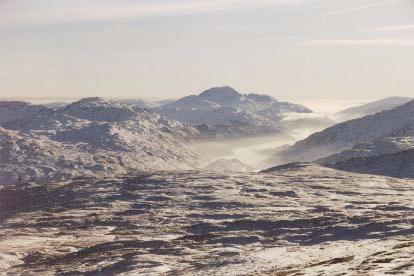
{"x": 292, "y": 220}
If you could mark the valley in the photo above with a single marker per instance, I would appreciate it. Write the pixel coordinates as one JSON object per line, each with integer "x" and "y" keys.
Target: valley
{"x": 100, "y": 187}
{"x": 206, "y": 138}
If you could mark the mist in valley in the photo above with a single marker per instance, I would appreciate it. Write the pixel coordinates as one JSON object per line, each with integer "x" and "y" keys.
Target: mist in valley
{"x": 260, "y": 152}
{"x": 256, "y": 152}
{"x": 200, "y": 137}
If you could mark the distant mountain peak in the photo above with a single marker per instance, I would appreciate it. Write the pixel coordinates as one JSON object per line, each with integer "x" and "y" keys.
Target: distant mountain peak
{"x": 229, "y": 113}
{"x": 395, "y": 99}
{"x": 371, "y": 108}
{"x": 342, "y": 137}
{"x": 14, "y": 103}
{"x": 220, "y": 92}
{"x": 89, "y": 101}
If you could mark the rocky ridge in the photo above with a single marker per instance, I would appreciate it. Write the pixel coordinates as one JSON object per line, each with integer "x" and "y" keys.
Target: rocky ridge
{"x": 89, "y": 137}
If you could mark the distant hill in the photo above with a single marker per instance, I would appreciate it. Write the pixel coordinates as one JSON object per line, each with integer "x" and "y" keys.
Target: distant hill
{"x": 400, "y": 164}
{"x": 398, "y": 122}
{"x": 144, "y": 103}
{"x": 229, "y": 165}
{"x": 56, "y": 104}
{"x": 386, "y": 145}
{"x": 371, "y": 108}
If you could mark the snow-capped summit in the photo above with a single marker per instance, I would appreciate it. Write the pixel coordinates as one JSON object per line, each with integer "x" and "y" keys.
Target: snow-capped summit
{"x": 226, "y": 112}
{"x": 98, "y": 109}
{"x": 220, "y": 94}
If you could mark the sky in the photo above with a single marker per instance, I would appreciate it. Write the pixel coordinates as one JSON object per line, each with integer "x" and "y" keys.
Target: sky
{"x": 289, "y": 49}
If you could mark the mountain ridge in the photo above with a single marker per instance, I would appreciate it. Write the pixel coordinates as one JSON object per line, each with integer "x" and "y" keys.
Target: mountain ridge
{"x": 90, "y": 137}
{"x": 399, "y": 164}
{"x": 398, "y": 121}
{"x": 221, "y": 108}
{"x": 372, "y": 108}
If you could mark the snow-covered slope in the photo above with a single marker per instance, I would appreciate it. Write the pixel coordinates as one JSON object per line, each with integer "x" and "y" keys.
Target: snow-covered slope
{"x": 387, "y": 145}
{"x": 223, "y": 111}
{"x": 398, "y": 122}
{"x": 307, "y": 220}
{"x": 371, "y": 108}
{"x": 400, "y": 164}
{"x": 89, "y": 137}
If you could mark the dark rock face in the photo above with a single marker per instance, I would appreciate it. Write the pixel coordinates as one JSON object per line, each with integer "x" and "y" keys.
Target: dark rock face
{"x": 304, "y": 220}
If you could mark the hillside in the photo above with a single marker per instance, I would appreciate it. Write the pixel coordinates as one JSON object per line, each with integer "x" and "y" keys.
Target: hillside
{"x": 387, "y": 145}
{"x": 400, "y": 164}
{"x": 398, "y": 122}
{"x": 89, "y": 137}
{"x": 371, "y": 108}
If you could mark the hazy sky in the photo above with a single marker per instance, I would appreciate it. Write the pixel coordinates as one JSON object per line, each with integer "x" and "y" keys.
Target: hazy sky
{"x": 171, "y": 48}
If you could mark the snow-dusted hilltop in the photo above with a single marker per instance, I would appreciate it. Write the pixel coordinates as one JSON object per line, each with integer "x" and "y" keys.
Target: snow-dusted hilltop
{"x": 224, "y": 112}
{"x": 14, "y": 111}
{"x": 400, "y": 164}
{"x": 394, "y": 124}
{"x": 88, "y": 137}
{"x": 371, "y": 108}
{"x": 387, "y": 145}
{"x": 228, "y": 165}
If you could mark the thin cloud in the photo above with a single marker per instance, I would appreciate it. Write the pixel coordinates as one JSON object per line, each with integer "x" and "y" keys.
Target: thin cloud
{"x": 117, "y": 27}
{"x": 74, "y": 11}
{"x": 357, "y": 42}
{"x": 360, "y": 8}
{"x": 392, "y": 28}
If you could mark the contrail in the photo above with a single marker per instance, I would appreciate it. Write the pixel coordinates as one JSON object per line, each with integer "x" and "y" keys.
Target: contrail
{"x": 360, "y": 8}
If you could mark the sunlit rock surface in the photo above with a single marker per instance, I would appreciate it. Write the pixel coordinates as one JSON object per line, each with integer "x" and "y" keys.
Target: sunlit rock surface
{"x": 294, "y": 220}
